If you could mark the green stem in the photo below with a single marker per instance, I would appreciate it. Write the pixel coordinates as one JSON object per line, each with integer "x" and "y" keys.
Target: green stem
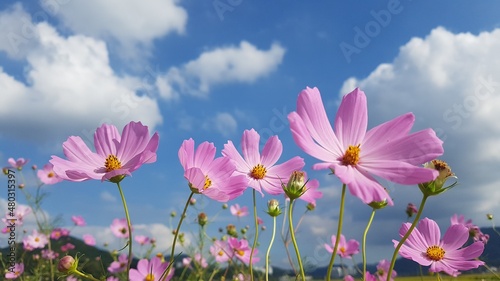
{"x": 269, "y": 248}
{"x": 363, "y": 246}
{"x": 292, "y": 236}
{"x": 87, "y": 276}
{"x": 170, "y": 264}
{"x": 400, "y": 244}
{"x": 129, "y": 226}
{"x": 490, "y": 270}
{"x": 339, "y": 232}
{"x": 256, "y": 233}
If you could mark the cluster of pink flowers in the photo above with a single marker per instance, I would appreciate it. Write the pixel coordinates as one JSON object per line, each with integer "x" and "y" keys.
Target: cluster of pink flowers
{"x": 223, "y": 251}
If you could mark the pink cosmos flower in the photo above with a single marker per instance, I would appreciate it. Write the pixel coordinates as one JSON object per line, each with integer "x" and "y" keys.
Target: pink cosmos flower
{"x": 411, "y": 209}
{"x": 17, "y": 220}
{"x": 141, "y": 239}
{"x": 214, "y": 178}
{"x": 150, "y": 270}
{"x": 35, "y": 240}
{"x": 66, "y": 247}
{"x": 49, "y": 254}
{"x": 116, "y": 155}
{"x": 345, "y": 249}
{"x": 474, "y": 230}
{"x": 355, "y": 155}
{"x": 382, "y": 270}
{"x": 221, "y": 251}
{"x": 242, "y": 251}
{"x": 425, "y": 247}
{"x": 17, "y": 164}
{"x": 78, "y": 220}
{"x": 119, "y": 265}
{"x": 47, "y": 175}
{"x": 89, "y": 239}
{"x": 260, "y": 169}
{"x": 198, "y": 259}
{"x": 119, "y": 228}
{"x": 112, "y": 278}
{"x": 312, "y": 193}
{"x": 16, "y": 272}
{"x": 238, "y": 211}
{"x": 58, "y": 233}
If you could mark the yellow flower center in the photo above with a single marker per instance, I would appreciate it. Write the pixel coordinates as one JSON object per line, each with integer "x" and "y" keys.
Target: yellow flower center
{"x": 37, "y": 239}
{"x": 149, "y": 277}
{"x": 112, "y": 163}
{"x": 351, "y": 156}
{"x": 258, "y": 172}
{"x": 342, "y": 250}
{"x": 240, "y": 252}
{"x": 50, "y": 175}
{"x": 435, "y": 253}
{"x": 208, "y": 182}
{"x": 123, "y": 230}
{"x": 220, "y": 253}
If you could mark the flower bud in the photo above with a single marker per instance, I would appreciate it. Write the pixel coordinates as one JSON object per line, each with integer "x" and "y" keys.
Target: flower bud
{"x": 231, "y": 230}
{"x": 173, "y": 214}
{"x": 202, "y": 219}
{"x": 243, "y": 231}
{"x": 489, "y": 216}
{"x": 5, "y": 171}
{"x": 34, "y": 167}
{"x": 411, "y": 209}
{"x": 377, "y": 205}
{"x": 273, "y": 208}
{"x": 21, "y": 186}
{"x": 224, "y": 206}
{"x": 296, "y": 185}
{"x": 67, "y": 264}
{"x": 192, "y": 201}
{"x": 435, "y": 187}
{"x": 311, "y": 206}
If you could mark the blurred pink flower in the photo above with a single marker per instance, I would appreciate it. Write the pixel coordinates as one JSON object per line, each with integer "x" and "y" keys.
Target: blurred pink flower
{"x": 141, "y": 239}
{"x": 260, "y": 169}
{"x": 355, "y": 155}
{"x": 119, "y": 265}
{"x": 116, "y": 155}
{"x": 238, "y": 211}
{"x": 16, "y": 272}
{"x": 89, "y": 239}
{"x": 66, "y": 247}
{"x": 47, "y": 175}
{"x": 35, "y": 240}
{"x": 242, "y": 251}
{"x": 58, "y": 233}
{"x": 119, "y": 228}
{"x": 49, "y": 254}
{"x": 78, "y": 220}
{"x": 212, "y": 177}
{"x": 17, "y": 164}
{"x": 198, "y": 259}
{"x": 382, "y": 270}
{"x": 411, "y": 209}
{"x": 150, "y": 270}
{"x": 345, "y": 249}
{"x": 425, "y": 247}
{"x": 221, "y": 251}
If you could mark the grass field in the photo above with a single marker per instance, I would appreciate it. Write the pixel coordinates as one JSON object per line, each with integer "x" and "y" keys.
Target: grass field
{"x": 444, "y": 277}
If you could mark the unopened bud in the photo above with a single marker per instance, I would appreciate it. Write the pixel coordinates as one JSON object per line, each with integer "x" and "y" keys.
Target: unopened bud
{"x": 435, "y": 187}
{"x": 311, "y": 206}
{"x": 231, "y": 230}
{"x": 489, "y": 216}
{"x": 296, "y": 185}
{"x": 202, "y": 219}
{"x": 192, "y": 201}
{"x": 224, "y": 206}
{"x": 273, "y": 208}
{"x": 67, "y": 264}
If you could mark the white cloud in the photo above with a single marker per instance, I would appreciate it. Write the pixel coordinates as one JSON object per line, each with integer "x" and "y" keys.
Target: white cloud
{"x": 107, "y": 196}
{"x": 449, "y": 81}
{"x": 70, "y": 84}
{"x": 244, "y": 63}
{"x": 18, "y": 32}
{"x": 223, "y": 123}
{"x": 126, "y": 21}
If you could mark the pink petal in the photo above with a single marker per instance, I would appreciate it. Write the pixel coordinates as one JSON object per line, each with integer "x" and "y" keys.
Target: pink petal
{"x": 204, "y": 155}
{"x": 362, "y": 185}
{"x": 186, "y": 154}
{"x": 135, "y": 139}
{"x": 416, "y": 149}
{"x": 352, "y": 119}
{"x": 398, "y": 171}
{"x": 271, "y": 152}
{"x": 250, "y": 147}
{"x": 430, "y": 231}
{"x": 104, "y": 138}
{"x": 386, "y": 132}
{"x": 455, "y": 237}
{"x": 285, "y": 169}
{"x": 463, "y": 265}
{"x": 77, "y": 151}
{"x": 303, "y": 137}
{"x": 311, "y": 112}
{"x": 143, "y": 267}
{"x": 416, "y": 240}
{"x": 231, "y": 152}
{"x": 196, "y": 177}
{"x": 472, "y": 251}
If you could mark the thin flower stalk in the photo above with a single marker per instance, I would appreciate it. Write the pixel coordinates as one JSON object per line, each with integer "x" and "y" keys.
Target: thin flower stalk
{"x": 413, "y": 225}
{"x": 129, "y": 226}
{"x": 269, "y": 248}
{"x": 363, "y": 245}
{"x": 171, "y": 262}
{"x": 256, "y": 221}
{"x": 294, "y": 241}
{"x": 339, "y": 232}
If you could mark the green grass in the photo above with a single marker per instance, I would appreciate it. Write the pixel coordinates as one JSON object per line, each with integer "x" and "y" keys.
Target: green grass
{"x": 443, "y": 277}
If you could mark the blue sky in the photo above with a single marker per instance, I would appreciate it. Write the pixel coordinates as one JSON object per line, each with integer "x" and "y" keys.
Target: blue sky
{"x": 211, "y": 70}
